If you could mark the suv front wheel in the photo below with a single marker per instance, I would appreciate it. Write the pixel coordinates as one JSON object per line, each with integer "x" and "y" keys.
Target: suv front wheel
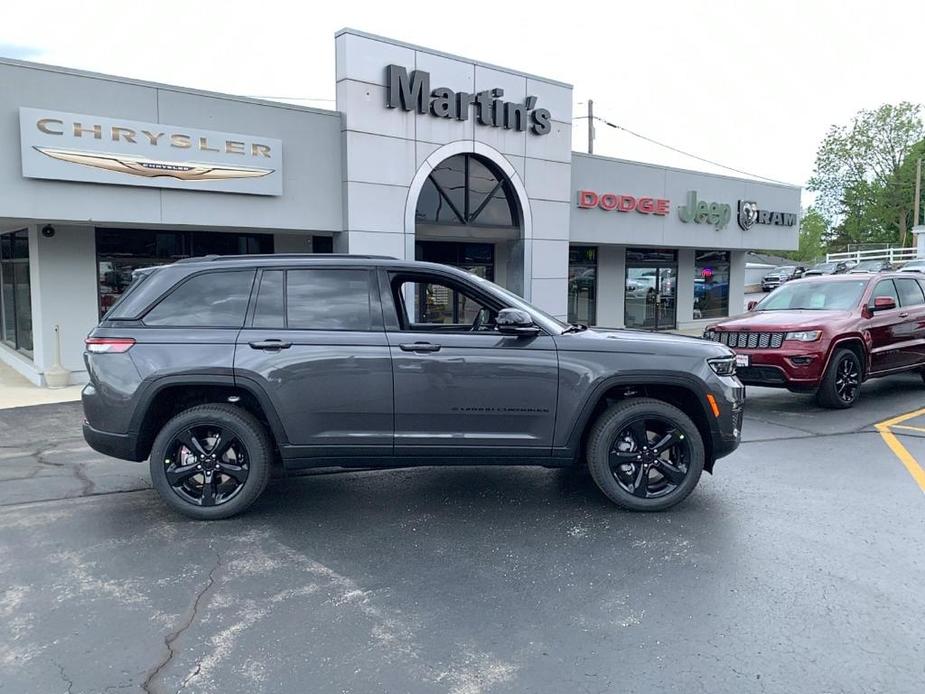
{"x": 841, "y": 384}
{"x": 211, "y": 461}
{"x": 645, "y": 455}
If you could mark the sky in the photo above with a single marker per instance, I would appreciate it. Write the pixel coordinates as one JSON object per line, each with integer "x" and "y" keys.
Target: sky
{"x": 753, "y": 85}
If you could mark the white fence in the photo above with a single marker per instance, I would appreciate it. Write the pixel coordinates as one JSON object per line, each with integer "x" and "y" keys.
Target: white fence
{"x": 894, "y": 255}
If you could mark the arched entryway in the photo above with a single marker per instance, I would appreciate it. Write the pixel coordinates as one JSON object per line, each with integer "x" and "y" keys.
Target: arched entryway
{"x": 468, "y": 208}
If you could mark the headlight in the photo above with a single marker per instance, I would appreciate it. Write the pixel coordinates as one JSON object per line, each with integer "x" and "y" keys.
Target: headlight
{"x": 804, "y": 335}
{"x": 723, "y": 366}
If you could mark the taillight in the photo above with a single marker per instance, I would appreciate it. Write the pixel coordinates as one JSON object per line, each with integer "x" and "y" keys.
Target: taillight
{"x": 109, "y": 345}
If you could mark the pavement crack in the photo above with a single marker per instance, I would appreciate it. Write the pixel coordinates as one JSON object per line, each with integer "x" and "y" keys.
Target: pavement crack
{"x": 150, "y": 684}
{"x": 88, "y": 485}
{"x": 67, "y": 680}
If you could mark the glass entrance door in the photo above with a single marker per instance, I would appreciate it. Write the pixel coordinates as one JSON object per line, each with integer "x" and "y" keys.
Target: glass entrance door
{"x": 651, "y": 289}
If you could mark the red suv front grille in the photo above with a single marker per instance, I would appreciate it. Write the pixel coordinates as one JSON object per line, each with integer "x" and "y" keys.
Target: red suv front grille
{"x": 748, "y": 340}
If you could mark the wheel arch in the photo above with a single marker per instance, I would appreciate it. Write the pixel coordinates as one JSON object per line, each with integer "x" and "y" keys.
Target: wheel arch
{"x": 683, "y": 392}
{"x": 170, "y": 395}
{"x": 855, "y": 343}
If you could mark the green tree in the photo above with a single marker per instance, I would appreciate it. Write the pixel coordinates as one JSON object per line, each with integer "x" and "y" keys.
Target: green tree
{"x": 862, "y": 174}
{"x": 814, "y": 228}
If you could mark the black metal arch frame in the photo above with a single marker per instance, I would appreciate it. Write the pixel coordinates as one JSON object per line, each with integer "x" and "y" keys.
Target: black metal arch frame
{"x": 468, "y": 216}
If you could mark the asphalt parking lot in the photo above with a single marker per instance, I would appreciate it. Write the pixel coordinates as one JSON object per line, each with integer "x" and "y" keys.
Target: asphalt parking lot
{"x": 797, "y": 567}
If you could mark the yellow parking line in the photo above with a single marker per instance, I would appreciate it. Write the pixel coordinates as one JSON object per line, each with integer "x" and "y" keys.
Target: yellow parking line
{"x": 905, "y": 457}
{"x": 906, "y": 426}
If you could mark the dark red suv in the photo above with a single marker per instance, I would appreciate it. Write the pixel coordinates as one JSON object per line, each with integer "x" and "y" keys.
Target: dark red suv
{"x": 829, "y": 334}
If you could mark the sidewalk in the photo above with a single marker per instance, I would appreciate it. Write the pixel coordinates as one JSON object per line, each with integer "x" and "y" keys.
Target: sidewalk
{"x": 16, "y": 391}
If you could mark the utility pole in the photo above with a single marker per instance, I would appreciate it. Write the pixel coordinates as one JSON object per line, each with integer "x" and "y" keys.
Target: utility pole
{"x": 918, "y": 193}
{"x": 591, "y": 132}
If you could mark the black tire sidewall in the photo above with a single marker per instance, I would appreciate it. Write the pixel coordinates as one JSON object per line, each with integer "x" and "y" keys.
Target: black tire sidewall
{"x": 827, "y": 396}
{"x": 244, "y": 426}
{"x": 614, "y": 420}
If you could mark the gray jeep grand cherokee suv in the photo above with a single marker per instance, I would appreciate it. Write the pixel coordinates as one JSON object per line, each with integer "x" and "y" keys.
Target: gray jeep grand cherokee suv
{"x": 216, "y": 368}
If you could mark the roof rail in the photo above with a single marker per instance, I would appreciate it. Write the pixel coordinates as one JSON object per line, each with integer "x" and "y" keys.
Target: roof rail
{"x": 213, "y": 257}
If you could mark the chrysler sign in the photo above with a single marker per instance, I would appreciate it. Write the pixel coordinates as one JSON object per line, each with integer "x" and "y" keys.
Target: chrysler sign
{"x": 95, "y": 149}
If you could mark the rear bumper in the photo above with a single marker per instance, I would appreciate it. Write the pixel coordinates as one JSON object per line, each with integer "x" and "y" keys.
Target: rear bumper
{"x": 115, "y": 445}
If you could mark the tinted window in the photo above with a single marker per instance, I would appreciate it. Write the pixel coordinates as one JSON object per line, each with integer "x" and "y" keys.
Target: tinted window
{"x": 210, "y": 300}
{"x": 910, "y": 293}
{"x": 885, "y": 288}
{"x": 268, "y": 312}
{"x": 328, "y": 299}
{"x": 436, "y": 303}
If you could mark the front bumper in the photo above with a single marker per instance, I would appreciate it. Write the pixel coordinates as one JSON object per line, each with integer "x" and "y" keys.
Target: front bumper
{"x": 730, "y": 397}
{"x": 782, "y": 368}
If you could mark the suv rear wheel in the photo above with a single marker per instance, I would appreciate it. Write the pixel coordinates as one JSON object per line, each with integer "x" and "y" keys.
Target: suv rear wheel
{"x": 645, "y": 455}
{"x": 841, "y": 384}
{"x": 211, "y": 461}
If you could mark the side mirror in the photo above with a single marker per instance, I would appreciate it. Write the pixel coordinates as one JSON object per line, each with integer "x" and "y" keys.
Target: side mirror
{"x": 884, "y": 303}
{"x": 751, "y": 305}
{"x": 513, "y": 321}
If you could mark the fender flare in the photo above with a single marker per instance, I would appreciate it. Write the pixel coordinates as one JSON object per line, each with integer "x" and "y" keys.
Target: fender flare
{"x": 637, "y": 378}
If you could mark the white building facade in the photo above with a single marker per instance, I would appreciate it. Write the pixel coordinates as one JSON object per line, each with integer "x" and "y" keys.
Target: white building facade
{"x": 427, "y": 156}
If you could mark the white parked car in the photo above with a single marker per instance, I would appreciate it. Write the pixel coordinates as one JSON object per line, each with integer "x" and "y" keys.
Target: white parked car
{"x": 914, "y": 266}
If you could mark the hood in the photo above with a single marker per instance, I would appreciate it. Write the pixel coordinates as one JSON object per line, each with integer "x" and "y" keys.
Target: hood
{"x": 641, "y": 341}
{"x": 780, "y": 321}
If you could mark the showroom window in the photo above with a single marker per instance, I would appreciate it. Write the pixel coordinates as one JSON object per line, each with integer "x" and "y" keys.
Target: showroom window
{"x": 119, "y": 252}
{"x": 467, "y": 190}
{"x": 15, "y": 292}
{"x": 582, "y": 284}
{"x": 711, "y": 284}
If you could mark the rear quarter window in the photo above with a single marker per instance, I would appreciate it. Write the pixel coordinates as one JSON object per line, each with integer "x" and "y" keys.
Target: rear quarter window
{"x": 207, "y": 300}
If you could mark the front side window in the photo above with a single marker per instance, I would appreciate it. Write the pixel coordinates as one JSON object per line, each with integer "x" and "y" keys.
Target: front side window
{"x": 711, "y": 284}
{"x": 434, "y": 304}
{"x": 885, "y": 288}
{"x": 209, "y": 300}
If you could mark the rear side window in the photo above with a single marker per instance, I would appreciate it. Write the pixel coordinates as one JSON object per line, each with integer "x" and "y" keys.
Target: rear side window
{"x": 315, "y": 299}
{"x": 210, "y": 300}
{"x": 910, "y": 293}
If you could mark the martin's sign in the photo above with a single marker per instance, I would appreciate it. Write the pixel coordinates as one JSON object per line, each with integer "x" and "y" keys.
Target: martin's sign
{"x": 750, "y": 214}
{"x": 93, "y": 149}
{"x": 623, "y": 203}
{"x": 413, "y": 93}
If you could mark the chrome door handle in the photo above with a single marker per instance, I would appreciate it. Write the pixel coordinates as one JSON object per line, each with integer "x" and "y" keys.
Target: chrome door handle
{"x": 904, "y": 315}
{"x": 270, "y": 345}
{"x": 419, "y": 347}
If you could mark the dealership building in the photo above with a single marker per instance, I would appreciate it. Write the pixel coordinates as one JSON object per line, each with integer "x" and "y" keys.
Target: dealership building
{"x": 427, "y": 156}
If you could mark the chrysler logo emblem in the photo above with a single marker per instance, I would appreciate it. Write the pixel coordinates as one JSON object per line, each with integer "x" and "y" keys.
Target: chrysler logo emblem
{"x": 748, "y": 214}
{"x": 152, "y": 168}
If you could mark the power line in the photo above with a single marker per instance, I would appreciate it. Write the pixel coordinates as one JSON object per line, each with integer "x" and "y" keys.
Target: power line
{"x": 685, "y": 153}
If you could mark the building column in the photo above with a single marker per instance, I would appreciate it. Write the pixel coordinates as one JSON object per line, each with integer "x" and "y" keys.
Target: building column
{"x": 684, "y": 292}
{"x": 737, "y": 262}
{"x": 611, "y": 286}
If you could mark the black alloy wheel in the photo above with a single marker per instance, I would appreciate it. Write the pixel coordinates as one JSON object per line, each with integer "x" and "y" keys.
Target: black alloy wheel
{"x": 211, "y": 461}
{"x": 649, "y": 458}
{"x": 206, "y": 465}
{"x": 645, "y": 454}
{"x": 841, "y": 384}
{"x": 848, "y": 379}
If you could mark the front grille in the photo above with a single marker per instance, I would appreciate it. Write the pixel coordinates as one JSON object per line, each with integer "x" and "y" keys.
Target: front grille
{"x": 747, "y": 340}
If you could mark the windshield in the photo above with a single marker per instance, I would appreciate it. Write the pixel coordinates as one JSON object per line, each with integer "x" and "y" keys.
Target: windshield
{"x": 868, "y": 265}
{"x": 815, "y": 296}
{"x": 824, "y": 266}
{"x": 784, "y": 268}
{"x": 552, "y": 323}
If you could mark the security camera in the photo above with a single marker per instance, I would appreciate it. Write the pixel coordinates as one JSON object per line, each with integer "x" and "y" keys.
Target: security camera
{"x": 48, "y": 231}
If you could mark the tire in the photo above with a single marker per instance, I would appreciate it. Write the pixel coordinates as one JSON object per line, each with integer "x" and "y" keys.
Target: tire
{"x": 612, "y": 462}
{"x": 225, "y": 495}
{"x": 833, "y": 393}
